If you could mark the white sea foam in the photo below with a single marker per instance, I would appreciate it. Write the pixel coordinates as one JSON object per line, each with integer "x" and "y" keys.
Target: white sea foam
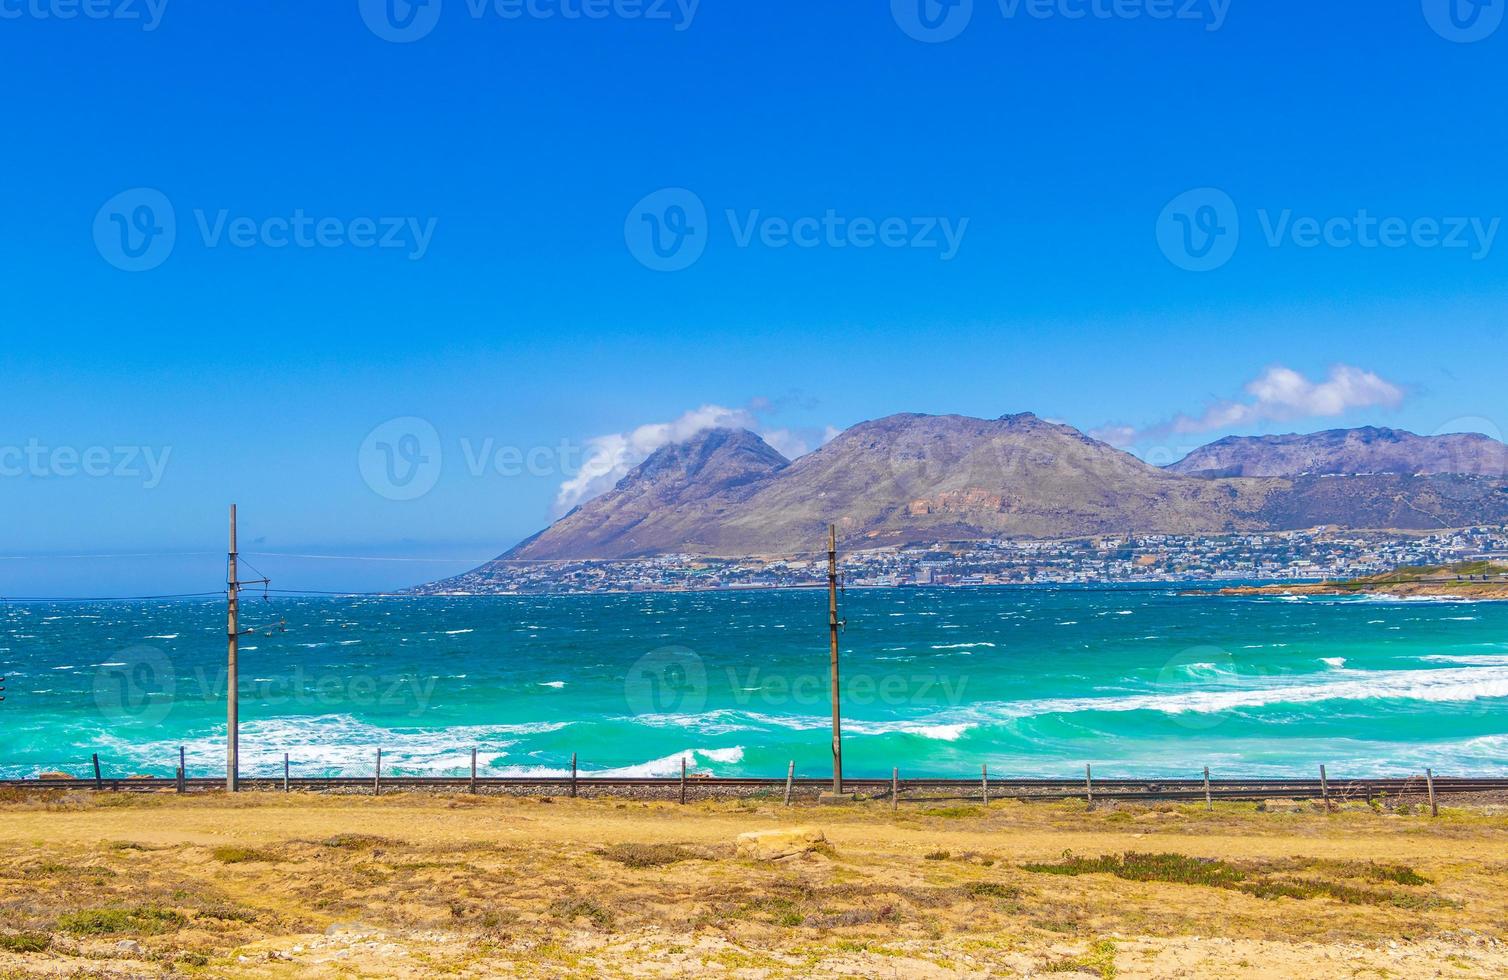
{"x": 328, "y": 744}
{"x": 1336, "y": 662}
{"x": 960, "y": 646}
{"x": 555, "y": 684}
{"x": 163, "y": 636}
{"x": 458, "y": 632}
{"x": 1474, "y": 659}
{"x": 1460, "y": 684}
{"x": 670, "y": 765}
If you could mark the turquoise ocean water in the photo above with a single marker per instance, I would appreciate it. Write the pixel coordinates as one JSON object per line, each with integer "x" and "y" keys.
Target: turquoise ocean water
{"x": 1033, "y": 682}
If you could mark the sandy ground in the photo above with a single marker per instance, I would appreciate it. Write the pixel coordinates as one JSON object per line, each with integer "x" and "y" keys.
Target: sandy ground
{"x": 266, "y": 885}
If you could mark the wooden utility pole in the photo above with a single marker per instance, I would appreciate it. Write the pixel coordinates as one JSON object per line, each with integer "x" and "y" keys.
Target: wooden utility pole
{"x": 232, "y": 669}
{"x": 233, "y": 634}
{"x": 832, "y": 628}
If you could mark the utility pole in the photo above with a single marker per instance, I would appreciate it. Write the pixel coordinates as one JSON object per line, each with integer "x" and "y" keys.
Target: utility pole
{"x": 832, "y": 626}
{"x": 232, "y": 673}
{"x": 233, "y": 634}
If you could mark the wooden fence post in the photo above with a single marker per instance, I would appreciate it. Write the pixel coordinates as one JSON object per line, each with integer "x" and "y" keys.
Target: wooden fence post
{"x": 182, "y": 771}
{"x": 98, "y": 781}
{"x": 1209, "y": 802}
{"x": 683, "y": 780}
{"x": 473, "y": 771}
{"x": 285, "y": 772}
{"x": 790, "y": 781}
{"x": 1429, "y": 781}
{"x": 377, "y": 779}
{"x": 1325, "y": 788}
{"x": 984, "y": 784}
{"x": 574, "y": 788}
{"x": 895, "y": 789}
{"x": 1088, "y": 784}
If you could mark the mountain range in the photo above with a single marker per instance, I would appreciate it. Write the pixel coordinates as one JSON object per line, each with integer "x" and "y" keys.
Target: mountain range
{"x": 918, "y": 479}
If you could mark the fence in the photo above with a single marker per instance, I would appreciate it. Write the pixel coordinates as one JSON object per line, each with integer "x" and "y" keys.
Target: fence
{"x": 893, "y": 788}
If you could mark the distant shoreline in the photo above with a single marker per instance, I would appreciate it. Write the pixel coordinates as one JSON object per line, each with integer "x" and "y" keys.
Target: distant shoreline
{"x": 1475, "y": 580}
{"x": 1476, "y": 591}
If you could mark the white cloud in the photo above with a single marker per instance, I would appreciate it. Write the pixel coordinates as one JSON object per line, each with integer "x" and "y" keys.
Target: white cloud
{"x": 610, "y": 457}
{"x": 1279, "y": 394}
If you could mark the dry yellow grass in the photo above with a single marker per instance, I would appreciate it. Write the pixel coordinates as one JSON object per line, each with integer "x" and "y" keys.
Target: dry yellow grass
{"x": 271, "y": 886}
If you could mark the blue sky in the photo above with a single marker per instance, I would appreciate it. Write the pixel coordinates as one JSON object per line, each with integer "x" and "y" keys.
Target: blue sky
{"x": 478, "y": 201}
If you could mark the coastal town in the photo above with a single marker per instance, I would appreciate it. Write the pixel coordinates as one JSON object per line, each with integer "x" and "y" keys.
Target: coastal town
{"x": 1314, "y": 554}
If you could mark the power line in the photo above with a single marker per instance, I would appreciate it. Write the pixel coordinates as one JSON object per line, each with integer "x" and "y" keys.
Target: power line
{"x": 107, "y": 598}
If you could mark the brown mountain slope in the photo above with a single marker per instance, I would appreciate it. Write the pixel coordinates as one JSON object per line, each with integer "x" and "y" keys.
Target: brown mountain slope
{"x": 927, "y": 478}
{"x": 679, "y": 499}
{"x": 898, "y": 479}
{"x": 1367, "y": 450}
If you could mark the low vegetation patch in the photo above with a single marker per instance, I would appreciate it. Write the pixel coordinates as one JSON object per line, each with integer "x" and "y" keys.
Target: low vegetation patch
{"x": 140, "y": 920}
{"x": 357, "y": 842}
{"x": 990, "y": 889}
{"x": 950, "y": 812}
{"x": 242, "y": 855}
{"x": 1184, "y": 870}
{"x": 1099, "y": 961}
{"x": 571, "y": 909}
{"x": 1398, "y": 874}
{"x": 1147, "y": 867}
{"x": 25, "y": 942}
{"x": 648, "y": 855}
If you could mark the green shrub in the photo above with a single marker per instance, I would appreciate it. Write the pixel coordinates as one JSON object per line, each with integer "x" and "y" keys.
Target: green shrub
{"x": 25, "y": 942}
{"x": 144, "y": 920}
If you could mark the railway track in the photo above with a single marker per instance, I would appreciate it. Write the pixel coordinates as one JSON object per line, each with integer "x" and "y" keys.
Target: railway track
{"x": 911, "y": 790}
